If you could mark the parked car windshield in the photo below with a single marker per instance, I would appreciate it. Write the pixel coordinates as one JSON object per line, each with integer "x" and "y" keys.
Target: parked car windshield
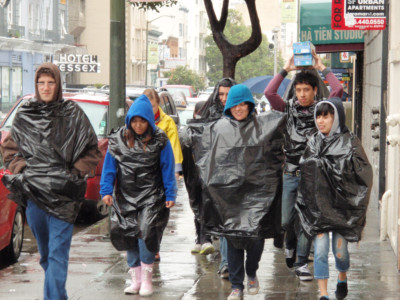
{"x": 97, "y": 115}
{"x": 174, "y": 90}
{"x": 8, "y": 122}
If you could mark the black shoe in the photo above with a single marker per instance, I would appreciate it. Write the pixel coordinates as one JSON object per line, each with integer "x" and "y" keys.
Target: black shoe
{"x": 303, "y": 273}
{"x": 290, "y": 255}
{"x": 324, "y": 298}
{"x": 341, "y": 290}
{"x": 278, "y": 240}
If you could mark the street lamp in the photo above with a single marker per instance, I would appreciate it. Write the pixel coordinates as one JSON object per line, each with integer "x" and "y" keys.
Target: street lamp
{"x": 147, "y": 40}
{"x": 275, "y": 37}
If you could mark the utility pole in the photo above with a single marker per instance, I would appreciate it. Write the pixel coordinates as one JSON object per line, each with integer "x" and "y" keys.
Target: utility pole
{"x": 117, "y": 64}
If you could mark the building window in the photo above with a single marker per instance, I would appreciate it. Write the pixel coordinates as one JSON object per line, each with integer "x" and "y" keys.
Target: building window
{"x": 30, "y": 20}
{"x": 48, "y": 18}
{"x": 82, "y": 7}
{"x": 7, "y": 74}
{"x": 181, "y": 29}
{"x": 10, "y": 13}
{"x": 16, "y": 83}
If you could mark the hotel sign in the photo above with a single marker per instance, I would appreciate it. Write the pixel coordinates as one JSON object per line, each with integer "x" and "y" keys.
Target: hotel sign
{"x": 78, "y": 63}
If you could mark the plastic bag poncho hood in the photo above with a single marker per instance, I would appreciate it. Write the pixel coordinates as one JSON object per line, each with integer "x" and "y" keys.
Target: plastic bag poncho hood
{"x": 239, "y": 94}
{"x": 335, "y": 183}
{"x": 339, "y": 123}
{"x": 240, "y": 166}
{"x": 57, "y": 77}
{"x": 140, "y": 108}
{"x": 51, "y": 137}
{"x": 213, "y": 108}
{"x": 139, "y": 210}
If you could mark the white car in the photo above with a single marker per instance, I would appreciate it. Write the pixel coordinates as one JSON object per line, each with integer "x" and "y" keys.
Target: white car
{"x": 204, "y": 95}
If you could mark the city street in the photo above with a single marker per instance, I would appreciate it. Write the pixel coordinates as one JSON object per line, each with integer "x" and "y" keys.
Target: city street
{"x": 98, "y": 271}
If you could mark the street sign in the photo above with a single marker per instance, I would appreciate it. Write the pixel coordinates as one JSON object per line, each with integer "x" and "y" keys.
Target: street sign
{"x": 358, "y": 14}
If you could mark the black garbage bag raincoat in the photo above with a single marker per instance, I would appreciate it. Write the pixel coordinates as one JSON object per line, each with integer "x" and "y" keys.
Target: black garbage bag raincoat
{"x": 51, "y": 138}
{"x": 240, "y": 167}
{"x": 335, "y": 183}
{"x": 211, "y": 110}
{"x": 139, "y": 210}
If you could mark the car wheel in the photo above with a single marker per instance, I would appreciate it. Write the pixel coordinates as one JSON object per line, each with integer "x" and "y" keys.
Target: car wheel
{"x": 13, "y": 250}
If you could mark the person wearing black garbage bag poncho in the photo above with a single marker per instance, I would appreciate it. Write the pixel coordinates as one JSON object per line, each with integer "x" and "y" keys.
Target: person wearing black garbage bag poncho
{"x": 140, "y": 162}
{"x": 240, "y": 159}
{"x": 334, "y": 190}
{"x": 308, "y": 89}
{"x": 50, "y": 151}
{"x": 211, "y": 110}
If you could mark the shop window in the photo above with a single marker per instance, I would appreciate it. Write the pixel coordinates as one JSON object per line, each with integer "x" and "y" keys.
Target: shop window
{"x": 5, "y": 88}
{"x": 16, "y": 83}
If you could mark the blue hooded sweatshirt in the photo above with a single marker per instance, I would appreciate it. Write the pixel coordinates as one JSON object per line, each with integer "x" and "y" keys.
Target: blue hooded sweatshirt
{"x": 141, "y": 107}
{"x": 237, "y": 94}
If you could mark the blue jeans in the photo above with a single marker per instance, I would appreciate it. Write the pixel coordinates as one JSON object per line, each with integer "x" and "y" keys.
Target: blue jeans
{"x": 289, "y": 218}
{"x": 321, "y": 250}
{"x": 53, "y": 238}
{"x": 139, "y": 253}
{"x": 223, "y": 249}
{"x": 236, "y": 263}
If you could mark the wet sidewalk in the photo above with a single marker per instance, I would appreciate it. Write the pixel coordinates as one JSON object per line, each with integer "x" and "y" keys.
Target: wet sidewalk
{"x": 98, "y": 271}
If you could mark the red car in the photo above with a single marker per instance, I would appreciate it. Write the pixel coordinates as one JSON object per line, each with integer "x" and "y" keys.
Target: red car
{"x": 95, "y": 106}
{"x": 12, "y": 220}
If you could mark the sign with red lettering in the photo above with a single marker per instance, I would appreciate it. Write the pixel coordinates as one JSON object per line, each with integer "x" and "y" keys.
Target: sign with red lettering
{"x": 358, "y": 14}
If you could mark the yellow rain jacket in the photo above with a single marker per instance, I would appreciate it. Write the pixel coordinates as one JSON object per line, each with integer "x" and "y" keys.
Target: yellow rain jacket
{"x": 168, "y": 125}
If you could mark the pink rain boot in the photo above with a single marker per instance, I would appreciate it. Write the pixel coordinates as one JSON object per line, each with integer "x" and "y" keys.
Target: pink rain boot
{"x": 136, "y": 276}
{"x": 146, "y": 289}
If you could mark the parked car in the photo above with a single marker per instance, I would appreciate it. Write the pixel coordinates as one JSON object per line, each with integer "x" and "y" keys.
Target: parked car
{"x": 186, "y": 113}
{"x": 186, "y": 89}
{"x": 204, "y": 95}
{"x": 12, "y": 219}
{"x": 167, "y": 104}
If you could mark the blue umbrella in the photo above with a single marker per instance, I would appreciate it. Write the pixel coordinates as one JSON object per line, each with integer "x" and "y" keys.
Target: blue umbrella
{"x": 258, "y": 84}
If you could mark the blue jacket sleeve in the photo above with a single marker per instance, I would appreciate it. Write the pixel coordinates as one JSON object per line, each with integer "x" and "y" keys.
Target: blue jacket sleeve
{"x": 167, "y": 163}
{"x": 108, "y": 175}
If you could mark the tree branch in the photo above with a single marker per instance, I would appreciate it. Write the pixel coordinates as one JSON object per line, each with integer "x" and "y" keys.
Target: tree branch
{"x": 224, "y": 14}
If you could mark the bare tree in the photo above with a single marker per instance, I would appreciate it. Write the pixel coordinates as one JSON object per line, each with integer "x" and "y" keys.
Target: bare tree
{"x": 233, "y": 53}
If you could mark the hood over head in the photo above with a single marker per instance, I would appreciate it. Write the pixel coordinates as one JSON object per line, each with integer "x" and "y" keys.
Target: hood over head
{"x": 238, "y": 94}
{"x": 213, "y": 105}
{"x": 339, "y": 121}
{"x": 53, "y": 71}
{"x": 141, "y": 107}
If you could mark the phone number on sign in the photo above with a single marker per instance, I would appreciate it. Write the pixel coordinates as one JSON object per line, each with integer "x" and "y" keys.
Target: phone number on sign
{"x": 370, "y": 21}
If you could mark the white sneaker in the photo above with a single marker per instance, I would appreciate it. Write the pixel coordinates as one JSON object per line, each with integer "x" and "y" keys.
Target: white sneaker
{"x": 196, "y": 248}
{"x": 253, "y": 286}
{"x": 303, "y": 273}
{"x": 207, "y": 248}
